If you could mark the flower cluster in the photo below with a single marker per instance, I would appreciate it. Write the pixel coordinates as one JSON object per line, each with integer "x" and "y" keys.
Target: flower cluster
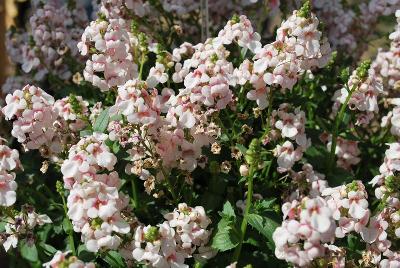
{"x": 346, "y": 151}
{"x": 9, "y": 162}
{"x": 32, "y": 109}
{"x": 346, "y": 26}
{"x": 308, "y": 224}
{"x": 109, "y": 44}
{"x": 311, "y": 224}
{"x": 292, "y": 126}
{"x": 183, "y": 234}
{"x": 363, "y": 88}
{"x": 387, "y": 63}
{"x": 40, "y": 123}
{"x": 21, "y": 226}
{"x": 94, "y": 203}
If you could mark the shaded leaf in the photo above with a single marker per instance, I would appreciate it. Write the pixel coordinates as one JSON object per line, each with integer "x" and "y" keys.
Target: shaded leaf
{"x": 264, "y": 225}
{"x": 101, "y": 123}
{"x": 29, "y": 252}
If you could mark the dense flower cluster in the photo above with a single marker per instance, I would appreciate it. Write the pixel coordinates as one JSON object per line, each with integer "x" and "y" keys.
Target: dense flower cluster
{"x": 94, "y": 203}
{"x": 108, "y": 42}
{"x": 183, "y": 234}
{"x": 34, "y": 116}
{"x": 40, "y": 123}
{"x": 346, "y": 27}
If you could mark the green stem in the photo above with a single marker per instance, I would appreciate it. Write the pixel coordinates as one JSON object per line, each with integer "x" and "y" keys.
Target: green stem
{"x": 142, "y": 61}
{"x": 243, "y": 226}
{"x": 338, "y": 120}
{"x": 135, "y": 197}
{"x": 70, "y": 232}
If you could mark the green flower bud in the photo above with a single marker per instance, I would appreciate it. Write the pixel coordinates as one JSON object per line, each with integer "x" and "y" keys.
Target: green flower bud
{"x": 152, "y": 234}
{"x": 305, "y": 10}
{"x": 253, "y": 153}
{"x": 362, "y": 70}
{"x": 235, "y": 19}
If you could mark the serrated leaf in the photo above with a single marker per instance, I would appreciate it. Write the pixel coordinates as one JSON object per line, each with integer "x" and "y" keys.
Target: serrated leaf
{"x": 263, "y": 225}
{"x": 101, "y": 123}
{"x": 225, "y": 239}
{"x": 264, "y": 204}
{"x": 228, "y": 210}
{"x": 114, "y": 259}
{"x": 29, "y": 252}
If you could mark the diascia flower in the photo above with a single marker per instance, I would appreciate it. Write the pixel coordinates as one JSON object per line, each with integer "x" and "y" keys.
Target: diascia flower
{"x": 33, "y": 115}
{"x": 94, "y": 202}
{"x": 170, "y": 243}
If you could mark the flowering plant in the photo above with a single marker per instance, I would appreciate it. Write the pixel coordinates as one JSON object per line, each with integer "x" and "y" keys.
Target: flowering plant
{"x": 176, "y": 133}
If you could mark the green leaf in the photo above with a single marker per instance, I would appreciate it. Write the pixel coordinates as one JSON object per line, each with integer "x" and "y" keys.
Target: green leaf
{"x": 224, "y": 138}
{"x": 264, "y": 225}
{"x": 241, "y": 148}
{"x": 264, "y": 205}
{"x": 228, "y": 210}
{"x": 114, "y": 259}
{"x": 225, "y": 239}
{"x": 29, "y": 252}
{"x": 116, "y": 147}
{"x": 66, "y": 225}
{"x": 85, "y": 133}
{"x": 84, "y": 254}
{"x": 116, "y": 117}
{"x": 48, "y": 249}
{"x": 101, "y": 123}
{"x": 340, "y": 176}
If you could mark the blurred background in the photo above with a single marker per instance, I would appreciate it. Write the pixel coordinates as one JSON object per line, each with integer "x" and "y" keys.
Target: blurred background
{"x": 11, "y": 13}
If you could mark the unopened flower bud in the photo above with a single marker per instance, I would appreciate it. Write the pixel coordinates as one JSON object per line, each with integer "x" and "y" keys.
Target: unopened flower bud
{"x": 244, "y": 170}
